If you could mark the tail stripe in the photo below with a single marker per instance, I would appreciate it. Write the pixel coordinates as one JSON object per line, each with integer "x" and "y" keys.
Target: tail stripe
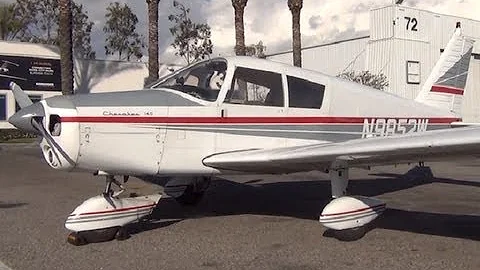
{"x": 447, "y": 90}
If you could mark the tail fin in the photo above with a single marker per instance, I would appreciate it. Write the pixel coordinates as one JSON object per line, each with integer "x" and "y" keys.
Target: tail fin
{"x": 445, "y": 86}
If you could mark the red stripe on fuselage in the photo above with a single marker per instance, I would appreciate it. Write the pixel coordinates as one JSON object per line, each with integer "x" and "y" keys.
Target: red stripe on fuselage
{"x": 447, "y": 90}
{"x": 244, "y": 120}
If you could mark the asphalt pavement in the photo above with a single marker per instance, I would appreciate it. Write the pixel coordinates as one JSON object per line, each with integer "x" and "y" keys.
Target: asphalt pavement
{"x": 246, "y": 222}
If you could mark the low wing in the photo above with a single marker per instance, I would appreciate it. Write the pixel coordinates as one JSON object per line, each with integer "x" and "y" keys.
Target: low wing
{"x": 425, "y": 146}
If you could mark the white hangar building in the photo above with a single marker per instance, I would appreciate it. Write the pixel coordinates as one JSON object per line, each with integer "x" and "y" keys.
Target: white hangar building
{"x": 404, "y": 44}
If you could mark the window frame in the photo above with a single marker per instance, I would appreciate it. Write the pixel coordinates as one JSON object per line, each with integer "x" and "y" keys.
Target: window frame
{"x": 5, "y": 98}
{"x": 419, "y": 72}
{"x": 323, "y": 99}
{"x": 231, "y": 87}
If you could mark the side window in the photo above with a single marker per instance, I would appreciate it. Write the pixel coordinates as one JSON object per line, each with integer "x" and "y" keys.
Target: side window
{"x": 256, "y": 87}
{"x": 3, "y": 107}
{"x": 305, "y": 94}
{"x": 34, "y": 98}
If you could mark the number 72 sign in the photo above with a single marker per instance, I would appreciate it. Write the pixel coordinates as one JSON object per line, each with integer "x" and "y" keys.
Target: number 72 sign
{"x": 411, "y": 23}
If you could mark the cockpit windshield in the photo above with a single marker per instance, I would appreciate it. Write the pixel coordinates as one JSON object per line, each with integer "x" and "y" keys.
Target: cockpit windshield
{"x": 202, "y": 80}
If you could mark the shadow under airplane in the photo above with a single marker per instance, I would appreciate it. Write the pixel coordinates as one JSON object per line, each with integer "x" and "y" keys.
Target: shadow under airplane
{"x": 7, "y": 205}
{"x": 305, "y": 199}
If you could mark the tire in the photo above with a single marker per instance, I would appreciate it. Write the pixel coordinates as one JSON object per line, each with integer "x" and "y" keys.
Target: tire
{"x": 350, "y": 234}
{"x": 189, "y": 197}
{"x": 122, "y": 234}
{"x": 76, "y": 239}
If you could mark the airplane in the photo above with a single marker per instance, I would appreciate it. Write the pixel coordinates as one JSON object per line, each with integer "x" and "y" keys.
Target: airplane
{"x": 4, "y": 69}
{"x": 243, "y": 115}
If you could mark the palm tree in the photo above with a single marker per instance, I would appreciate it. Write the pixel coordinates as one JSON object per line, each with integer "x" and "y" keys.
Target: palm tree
{"x": 66, "y": 46}
{"x": 152, "y": 41}
{"x": 295, "y": 6}
{"x": 239, "y": 7}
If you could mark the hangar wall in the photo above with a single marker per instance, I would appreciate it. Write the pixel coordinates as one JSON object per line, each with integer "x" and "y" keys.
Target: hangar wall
{"x": 402, "y": 41}
{"x": 331, "y": 58}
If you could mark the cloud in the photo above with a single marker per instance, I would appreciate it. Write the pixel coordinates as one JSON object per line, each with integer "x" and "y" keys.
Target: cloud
{"x": 315, "y": 21}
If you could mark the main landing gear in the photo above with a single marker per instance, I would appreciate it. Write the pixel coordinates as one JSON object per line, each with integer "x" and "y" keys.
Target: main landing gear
{"x": 187, "y": 191}
{"x": 103, "y": 217}
{"x": 347, "y": 216}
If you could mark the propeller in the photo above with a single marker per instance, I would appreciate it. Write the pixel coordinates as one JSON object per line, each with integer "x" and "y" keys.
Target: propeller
{"x": 30, "y": 119}
{"x": 37, "y": 123}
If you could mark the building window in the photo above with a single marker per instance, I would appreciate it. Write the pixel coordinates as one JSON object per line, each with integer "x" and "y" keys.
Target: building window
{"x": 3, "y": 107}
{"x": 305, "y": 94}
{"x": 33, "y": 98}
{"x": 256, "y": 87}
{"x": 413, "y": 72}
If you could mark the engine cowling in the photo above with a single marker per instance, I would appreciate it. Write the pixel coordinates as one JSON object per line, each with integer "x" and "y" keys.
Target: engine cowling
{"x": 61, "y": 149}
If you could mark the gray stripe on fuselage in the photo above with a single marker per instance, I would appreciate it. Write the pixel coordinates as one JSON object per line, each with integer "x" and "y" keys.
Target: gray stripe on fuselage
{"x": 307, "y": 132}
{"x": 121, "y": 99}
{"x": 332, "y": 133}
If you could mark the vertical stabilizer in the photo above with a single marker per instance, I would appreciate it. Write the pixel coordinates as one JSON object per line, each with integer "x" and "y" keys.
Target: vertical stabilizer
{"x": 445, "y": 86}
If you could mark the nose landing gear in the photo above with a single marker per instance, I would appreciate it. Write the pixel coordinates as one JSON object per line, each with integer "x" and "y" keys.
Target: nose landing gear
{"x": 103, "y": 217}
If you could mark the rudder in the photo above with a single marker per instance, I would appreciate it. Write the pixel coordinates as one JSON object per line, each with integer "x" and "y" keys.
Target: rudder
{"x": 445, "y": 87}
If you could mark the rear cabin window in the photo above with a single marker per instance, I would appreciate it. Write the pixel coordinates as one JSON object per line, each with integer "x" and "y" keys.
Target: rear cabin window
{"x": 256, "y": 87}
{"x": 305, "y": 94}
{"x": 3, "y": 107}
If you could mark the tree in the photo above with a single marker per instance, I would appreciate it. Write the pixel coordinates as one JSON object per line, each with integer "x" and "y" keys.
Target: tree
{"x": 378, "y": 81}
{"x": 82, "y": 27}
{"x": 239, "y": 8}
{"x": 11, "y": 24}
{"x": 152, "y": 41}
{"x": 256, "y": 50}
{"x": 295, "y": 7}
{"x": 66, "y": 45}
{"x": 121, "y": 35}
{"x": 192, "y": 40}
{"x": 42, "y": 25}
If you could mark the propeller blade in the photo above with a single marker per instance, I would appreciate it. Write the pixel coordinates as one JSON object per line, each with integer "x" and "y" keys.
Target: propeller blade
{"x": 20, "y": 96}
{"x": 30, "y": 119}
{"x": 23, "y": 118}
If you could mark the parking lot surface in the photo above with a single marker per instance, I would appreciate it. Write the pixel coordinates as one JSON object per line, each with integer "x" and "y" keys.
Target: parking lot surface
{"x": 246, "y": 222}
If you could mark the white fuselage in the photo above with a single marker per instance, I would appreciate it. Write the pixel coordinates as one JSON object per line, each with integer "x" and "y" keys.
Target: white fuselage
{"x": 169, "y": 132}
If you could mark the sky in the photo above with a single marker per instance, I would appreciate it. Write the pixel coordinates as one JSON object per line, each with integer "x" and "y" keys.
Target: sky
{"x": 267, "y": 20}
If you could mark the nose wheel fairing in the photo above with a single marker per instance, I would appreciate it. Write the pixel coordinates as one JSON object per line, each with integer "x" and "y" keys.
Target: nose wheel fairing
{"x": 103, "y": 211}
